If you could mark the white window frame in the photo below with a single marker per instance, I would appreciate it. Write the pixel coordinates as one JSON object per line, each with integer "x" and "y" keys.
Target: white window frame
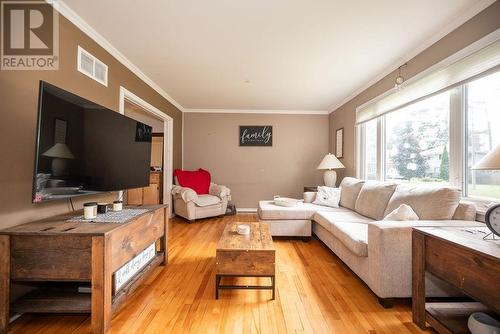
{"x": 361, "y": 150}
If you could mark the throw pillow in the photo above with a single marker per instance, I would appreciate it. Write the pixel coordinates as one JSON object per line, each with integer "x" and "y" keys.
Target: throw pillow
{"x": 328, "y": 196}
{"x": 198, "y": 180}
{"x": 403, "y": 212}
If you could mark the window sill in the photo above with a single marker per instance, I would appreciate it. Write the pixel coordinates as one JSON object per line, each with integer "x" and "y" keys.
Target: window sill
{"x": 482, "y": 204}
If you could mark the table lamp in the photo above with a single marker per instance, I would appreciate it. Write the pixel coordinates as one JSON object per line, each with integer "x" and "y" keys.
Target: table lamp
{"x": 491, "y": 161}
{"x": 59, "y": 153}
{"x": 329, "y": 163}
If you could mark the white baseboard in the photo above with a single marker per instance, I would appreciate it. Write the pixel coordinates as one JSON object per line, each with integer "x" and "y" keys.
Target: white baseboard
{"x": 246, "y": 210}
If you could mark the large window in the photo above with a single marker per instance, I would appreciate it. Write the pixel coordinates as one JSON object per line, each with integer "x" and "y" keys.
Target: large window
{"x": 417, "y": 141}
{"x": 438, "y": 139}
{"x": 483, "y": 133}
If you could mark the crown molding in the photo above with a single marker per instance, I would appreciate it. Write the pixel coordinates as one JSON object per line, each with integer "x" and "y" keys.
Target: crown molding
{"x": 80, "y": 23}
{"x": 457, "y": 22}
{"x": 258, "y": 111}
{"x": 85, "y": 27}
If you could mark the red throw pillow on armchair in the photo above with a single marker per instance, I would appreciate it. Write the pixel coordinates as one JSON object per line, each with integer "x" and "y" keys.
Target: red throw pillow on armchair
{"x": 198, "y": 180}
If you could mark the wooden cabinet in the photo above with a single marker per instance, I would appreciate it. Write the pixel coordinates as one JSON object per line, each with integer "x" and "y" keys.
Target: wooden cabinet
{"x": 134, "y": 196}
{"x": 45, "y": 253}
{"x": 157, "y": 150}
{"x": 150, "y": 195}
{"x": 462, "y": 259}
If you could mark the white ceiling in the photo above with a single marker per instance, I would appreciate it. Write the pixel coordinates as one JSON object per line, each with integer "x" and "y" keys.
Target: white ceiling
{"x": 295, "y": 55}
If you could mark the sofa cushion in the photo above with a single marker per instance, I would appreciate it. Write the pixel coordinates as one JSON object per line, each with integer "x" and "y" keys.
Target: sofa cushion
{"x": 327, "y": 196}
{"x": 403, "y": 212}
{"x": 326, "y": 219}
{"x": 428, "y": 202}
{"x": 349, "y": 191}
{"x": 206, "y": 200}
{"x": 349, "y": 227}
{"x": 268, "y": 210}
{"x": 352, "y": 235}
{"x": 465, "y": 211}
{"x": 373, "y": 198}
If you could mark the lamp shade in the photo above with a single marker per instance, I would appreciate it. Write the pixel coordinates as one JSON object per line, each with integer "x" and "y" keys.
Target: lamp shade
{"x": 490, "y": 161}
{"x": 59, "y": 150}
{"x": 330, "y": 162}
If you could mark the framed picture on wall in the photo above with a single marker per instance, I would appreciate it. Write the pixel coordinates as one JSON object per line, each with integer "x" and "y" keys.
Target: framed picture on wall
{"x": 256, "y": 135}
{"x": 339, "y": 143}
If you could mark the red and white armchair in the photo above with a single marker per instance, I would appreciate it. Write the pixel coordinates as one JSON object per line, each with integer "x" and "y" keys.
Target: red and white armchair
{"x": 195, "y": 197}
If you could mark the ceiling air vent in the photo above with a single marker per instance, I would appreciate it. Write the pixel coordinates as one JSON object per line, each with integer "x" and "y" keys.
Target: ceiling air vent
{"x": 92, "y": 67}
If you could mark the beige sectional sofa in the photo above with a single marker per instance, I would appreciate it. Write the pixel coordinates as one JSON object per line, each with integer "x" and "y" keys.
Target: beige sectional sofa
{"x": 378, "y": 251}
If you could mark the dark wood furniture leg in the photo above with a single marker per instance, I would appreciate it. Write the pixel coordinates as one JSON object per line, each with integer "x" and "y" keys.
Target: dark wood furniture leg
{"x": 418, "y": 284}
{"x": 273, "y": 280}
{"x": 218, "y": 286}
{"x": 4, "y": 282}
{"x": 101, "y": 285}
{"x": 217, "y": 283}
{"x": 386, "y": 302}
{"x": 164, "y": 240}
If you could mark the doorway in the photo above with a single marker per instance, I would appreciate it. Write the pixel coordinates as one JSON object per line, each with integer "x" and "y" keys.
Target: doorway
{"x": 162, "y": 146}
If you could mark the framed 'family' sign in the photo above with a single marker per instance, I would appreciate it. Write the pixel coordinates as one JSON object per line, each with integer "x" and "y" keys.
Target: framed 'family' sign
{"x": 256, "y": 135}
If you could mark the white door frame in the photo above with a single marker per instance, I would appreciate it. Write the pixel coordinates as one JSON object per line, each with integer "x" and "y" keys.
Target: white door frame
{"x": 168, "y": 139}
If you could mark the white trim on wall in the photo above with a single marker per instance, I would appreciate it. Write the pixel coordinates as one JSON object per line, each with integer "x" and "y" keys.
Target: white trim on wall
{"x": 182, "y": 145}
{"x": 457, "y": 22}
{"x": 81, "y": 24}
{"x": 258, "y": 111}
{"x": 246, "y": 210}
{"x": 168, "y": 137}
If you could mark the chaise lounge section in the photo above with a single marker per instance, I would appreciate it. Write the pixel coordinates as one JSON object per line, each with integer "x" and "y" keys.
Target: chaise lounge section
{"x": 292, "y": 221}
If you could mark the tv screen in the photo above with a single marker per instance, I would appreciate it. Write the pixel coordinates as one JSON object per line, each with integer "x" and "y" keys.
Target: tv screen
{"x": 83, "y": 148}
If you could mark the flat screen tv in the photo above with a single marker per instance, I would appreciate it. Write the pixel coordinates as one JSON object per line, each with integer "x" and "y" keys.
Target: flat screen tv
{"x": 84, "y": 148}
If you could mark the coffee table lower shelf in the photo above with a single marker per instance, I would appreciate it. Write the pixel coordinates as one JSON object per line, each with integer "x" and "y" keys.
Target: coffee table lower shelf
{"x": 218, "y": 285}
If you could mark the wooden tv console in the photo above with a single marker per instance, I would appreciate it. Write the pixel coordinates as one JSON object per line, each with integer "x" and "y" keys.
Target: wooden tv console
{"x": 58, "y": 257}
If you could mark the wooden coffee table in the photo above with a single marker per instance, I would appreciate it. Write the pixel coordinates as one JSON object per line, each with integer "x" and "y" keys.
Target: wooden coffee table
{"x": 250, "y": 255}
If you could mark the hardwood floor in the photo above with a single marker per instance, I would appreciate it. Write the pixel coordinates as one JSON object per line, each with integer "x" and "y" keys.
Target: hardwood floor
{"x": 316, "y": 293}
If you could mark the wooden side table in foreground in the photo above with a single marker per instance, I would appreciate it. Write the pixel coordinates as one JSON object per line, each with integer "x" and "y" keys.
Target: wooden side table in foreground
{"x": 459, "y": 256}
{"x": 250, "y": 255}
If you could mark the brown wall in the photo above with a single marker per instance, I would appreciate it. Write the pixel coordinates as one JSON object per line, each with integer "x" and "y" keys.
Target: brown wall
{"x": 480, "y": 25}
{"x": 256, "y": 173}
{"x": 18, "y": 112}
